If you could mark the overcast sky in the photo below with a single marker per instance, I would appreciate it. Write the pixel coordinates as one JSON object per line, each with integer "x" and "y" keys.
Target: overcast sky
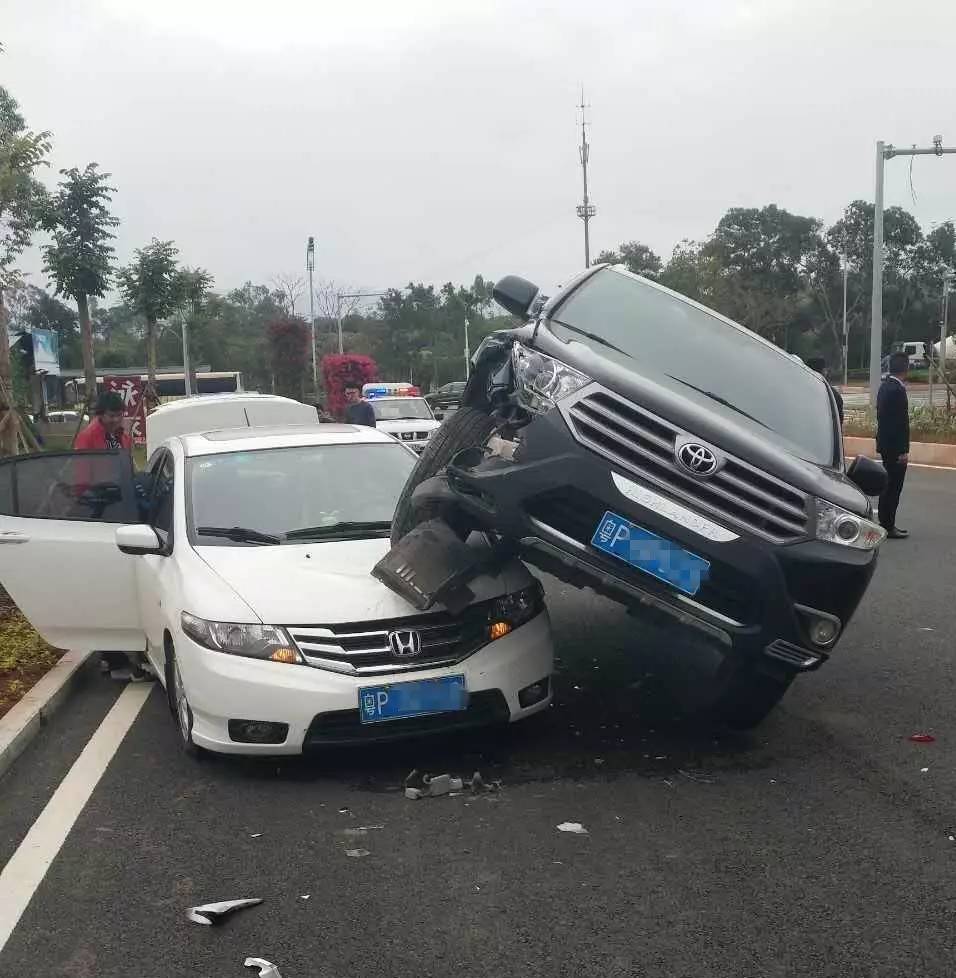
{"x": 434, "y": 139}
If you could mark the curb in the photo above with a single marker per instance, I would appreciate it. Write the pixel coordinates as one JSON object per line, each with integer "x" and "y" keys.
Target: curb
{"x": 25, "y": 720}
{"x": 935, "y": 454}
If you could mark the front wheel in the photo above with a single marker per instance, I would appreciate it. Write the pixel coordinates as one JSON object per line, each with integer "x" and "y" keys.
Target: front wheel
{"x": 179, "y": 707}
{"x": 749, "y": 698}
{"x": 466, "y": 428}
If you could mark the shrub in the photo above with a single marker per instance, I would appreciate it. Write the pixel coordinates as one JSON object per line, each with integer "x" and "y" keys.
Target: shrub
{"x": 338, "y": 369}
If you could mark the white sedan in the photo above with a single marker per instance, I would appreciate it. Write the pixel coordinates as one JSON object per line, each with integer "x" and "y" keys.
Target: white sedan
{"x": 240, "y": 573}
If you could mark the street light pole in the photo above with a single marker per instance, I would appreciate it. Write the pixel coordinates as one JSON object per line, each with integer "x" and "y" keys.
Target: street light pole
{"x": 338, "y": 318}
{"x": 947, "y": 284}
{"x": 846, "y": 335}
{"x": 310, "y": 265}
{"x": 887, "y": 152}
{"x": 187, "y": 380}
{"x": 467, "y": 350}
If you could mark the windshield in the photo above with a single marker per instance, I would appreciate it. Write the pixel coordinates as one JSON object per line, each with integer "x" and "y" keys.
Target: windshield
{"x": 400, "y": 408}
{"x": 328, "y": 489}
{"x": 723, "y": 367}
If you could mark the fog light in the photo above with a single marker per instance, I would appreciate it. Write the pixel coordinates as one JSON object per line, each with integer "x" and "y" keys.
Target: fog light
{"x": 257, "y": 732}
{"x": 823, "y": 631}
{"x": 285, "y": 655}
{"x": 534, "y": 693}
{"x": 498, "y": 629}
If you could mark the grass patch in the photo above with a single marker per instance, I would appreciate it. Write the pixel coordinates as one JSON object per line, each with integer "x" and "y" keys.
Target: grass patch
{"x": 926, "y": 425}
{"x": 24, "y": 656}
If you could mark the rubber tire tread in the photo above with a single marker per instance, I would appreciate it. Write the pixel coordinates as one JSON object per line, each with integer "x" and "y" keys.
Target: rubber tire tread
{"x": 466, "y": 428}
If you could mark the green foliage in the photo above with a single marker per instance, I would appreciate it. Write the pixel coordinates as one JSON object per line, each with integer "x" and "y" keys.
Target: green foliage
{"x": 22, "y": 196}
{"x": 80, "y": 256}
{"x": 151, "y": 283}
{"x": 927, "y": 424}
{"x": 288, "y": 343}
{"x": 638, "y": 258}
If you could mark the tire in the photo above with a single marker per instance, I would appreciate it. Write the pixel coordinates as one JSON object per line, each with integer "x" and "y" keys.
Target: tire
{"x": 179, "y": 707}
{"x": 748, "y": 699}
{"x": 466, "y": 428}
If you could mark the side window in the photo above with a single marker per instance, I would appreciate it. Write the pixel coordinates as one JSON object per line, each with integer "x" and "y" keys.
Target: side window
{"x": 161, "y": 508}
{"x": 89, "y": 486}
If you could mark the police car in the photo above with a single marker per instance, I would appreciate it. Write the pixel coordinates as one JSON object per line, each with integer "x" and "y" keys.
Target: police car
{"x": 401, "y": 411}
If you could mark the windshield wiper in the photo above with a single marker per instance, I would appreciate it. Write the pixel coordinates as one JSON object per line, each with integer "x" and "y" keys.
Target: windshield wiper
{"x": 721, "y": 400}
{"x": 336, "y": 529}
{"x": 595, "y": 337}
{"x": 241, "y": 534}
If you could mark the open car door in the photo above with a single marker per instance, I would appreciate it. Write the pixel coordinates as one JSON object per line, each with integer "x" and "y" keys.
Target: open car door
{"x": 58, "y": 556}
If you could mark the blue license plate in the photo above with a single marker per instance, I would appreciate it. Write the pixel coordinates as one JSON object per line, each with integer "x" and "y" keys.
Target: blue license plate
{"x": 650, "y": 553}
{"x": 446, "y": 694}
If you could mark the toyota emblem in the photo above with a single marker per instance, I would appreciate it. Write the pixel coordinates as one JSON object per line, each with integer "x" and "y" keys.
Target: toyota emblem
{"x": 405, "y": 644}
{"x": 697, "y": 458}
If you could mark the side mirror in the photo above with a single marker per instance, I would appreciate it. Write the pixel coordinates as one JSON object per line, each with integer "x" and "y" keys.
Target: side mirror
{"x": 515, "y": 294}
{"x": 868, "y": 475}
{"x": 138, "y": 539}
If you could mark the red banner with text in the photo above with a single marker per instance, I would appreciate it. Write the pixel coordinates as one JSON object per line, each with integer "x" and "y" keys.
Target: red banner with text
{"x": 133, "y": 392}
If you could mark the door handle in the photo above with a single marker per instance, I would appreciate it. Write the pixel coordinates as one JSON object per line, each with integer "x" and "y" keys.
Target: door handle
{"x": 13, "y": 536}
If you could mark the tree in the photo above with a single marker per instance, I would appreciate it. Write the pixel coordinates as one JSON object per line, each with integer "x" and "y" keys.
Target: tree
{"x": 150, "y": 285}
{"x": 638, "y": 258}
{"x": 337, "y": 370}
{"x": 289, "y": 290}
{"x": 288, "y": 341}
{"x": 80, "y": 256}
{"x": 22, "y": 197}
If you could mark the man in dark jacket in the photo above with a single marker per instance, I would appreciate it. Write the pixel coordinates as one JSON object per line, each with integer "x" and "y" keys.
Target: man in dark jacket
{"x": 357, "y": 409}
{"x": 893, "y": 440}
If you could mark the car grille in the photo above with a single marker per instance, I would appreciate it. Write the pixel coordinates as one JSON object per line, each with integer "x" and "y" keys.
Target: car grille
{"x": 362, "y": 648}
{"x": 577, "y": 515}
{"x": 414, "y": 435}
{"x": 640, "y": 442}
{"x": 486, "y": 707}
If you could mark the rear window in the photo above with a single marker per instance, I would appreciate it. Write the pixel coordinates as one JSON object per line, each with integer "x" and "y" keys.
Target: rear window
{"x": 723, "y": 367}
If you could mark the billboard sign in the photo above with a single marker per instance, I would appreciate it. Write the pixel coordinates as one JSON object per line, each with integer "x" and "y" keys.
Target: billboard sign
{"x": 133, "y": 392}
{"x": 46, "y": 352}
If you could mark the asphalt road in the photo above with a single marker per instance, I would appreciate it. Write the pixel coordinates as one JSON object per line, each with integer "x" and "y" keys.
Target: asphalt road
{"x": 818, "y": 845}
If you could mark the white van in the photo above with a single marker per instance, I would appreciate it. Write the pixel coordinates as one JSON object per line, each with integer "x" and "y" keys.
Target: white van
{"x": 211, "y": 412}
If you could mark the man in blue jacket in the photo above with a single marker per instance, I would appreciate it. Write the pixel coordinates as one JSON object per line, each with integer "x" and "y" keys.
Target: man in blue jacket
{"x": 893, "y": 440}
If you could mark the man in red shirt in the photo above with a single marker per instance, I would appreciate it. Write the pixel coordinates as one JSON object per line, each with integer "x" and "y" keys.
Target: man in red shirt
{"x": 106, "y": 430}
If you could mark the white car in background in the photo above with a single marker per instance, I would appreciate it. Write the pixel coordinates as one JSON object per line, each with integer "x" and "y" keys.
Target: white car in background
{"x": 242, "y": 578}
{"x": 409, "y": 419}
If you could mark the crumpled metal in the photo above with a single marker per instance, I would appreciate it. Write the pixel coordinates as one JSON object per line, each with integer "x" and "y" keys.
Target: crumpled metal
{"x": 215, "y": 913}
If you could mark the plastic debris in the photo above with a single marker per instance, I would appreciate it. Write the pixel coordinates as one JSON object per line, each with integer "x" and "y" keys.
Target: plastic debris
{"x": 574, "y": 827}
{"x": 214, "y": 913}
{"x": 422, "y": 786}
{"x": 266, "y": 968}
{"x": 344, "y": 811}
{"x": 922, "y": 738}
{"x": 256, "y": 835}
{"x": 304, "y": 896}
{"x": 357, "y": 853}
{"x": 923, "y": 770}
{"x": 362, "y": 829}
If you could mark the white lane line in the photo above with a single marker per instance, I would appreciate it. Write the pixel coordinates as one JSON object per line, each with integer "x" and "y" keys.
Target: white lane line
{"x": 28, "y": 865}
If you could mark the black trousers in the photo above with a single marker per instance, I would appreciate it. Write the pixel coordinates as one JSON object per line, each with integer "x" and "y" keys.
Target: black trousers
{"x": 890, "y": 500}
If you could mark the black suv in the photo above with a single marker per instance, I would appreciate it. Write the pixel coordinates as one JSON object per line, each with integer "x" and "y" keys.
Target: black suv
{"x": 448, "y": 395}
{"x": 630, "y": 440}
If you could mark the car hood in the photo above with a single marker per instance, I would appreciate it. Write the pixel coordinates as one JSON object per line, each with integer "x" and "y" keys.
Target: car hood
{"x": 328, "y": 583}
{"x": 408, "y": 424}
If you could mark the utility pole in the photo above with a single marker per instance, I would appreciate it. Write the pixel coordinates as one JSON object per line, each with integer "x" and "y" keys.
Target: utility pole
{"x": 846, "y": 334}
{"x": 886, "y": 152}
{"x": 187, "y": 379}
{"x": 467, "y": 350}
{"x": 585, "y": 210}
{"x": 310, "y": 265}
{"x": 947, "y": 286}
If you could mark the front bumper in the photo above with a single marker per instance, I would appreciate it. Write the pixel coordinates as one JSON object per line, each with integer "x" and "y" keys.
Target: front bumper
{"x": 550, "y": 499}
{"x": 221, "y": 687}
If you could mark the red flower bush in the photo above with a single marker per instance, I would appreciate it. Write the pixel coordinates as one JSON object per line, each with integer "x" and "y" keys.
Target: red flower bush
{"x": 337, "y": 369}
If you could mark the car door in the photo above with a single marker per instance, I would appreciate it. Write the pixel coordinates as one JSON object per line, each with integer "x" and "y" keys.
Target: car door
{"x": 58, "y": 555}
{"x": 155, "y": 572}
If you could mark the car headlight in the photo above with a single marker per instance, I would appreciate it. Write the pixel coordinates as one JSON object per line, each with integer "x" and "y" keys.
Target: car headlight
{"x": 541, "y": 381}
{"x": 838, "y": 525}
{"x": 509, "y": 612}
{"x": 252, "y": 641}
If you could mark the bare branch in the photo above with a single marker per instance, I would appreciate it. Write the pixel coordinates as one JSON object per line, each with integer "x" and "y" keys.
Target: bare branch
{"x": 289, "y": 288}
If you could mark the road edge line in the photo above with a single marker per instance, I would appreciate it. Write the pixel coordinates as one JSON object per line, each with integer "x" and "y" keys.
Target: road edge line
{"x": 25, "y": 720}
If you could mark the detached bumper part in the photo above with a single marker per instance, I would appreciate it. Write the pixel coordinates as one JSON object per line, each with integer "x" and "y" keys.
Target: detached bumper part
{"x": 215, "y": 913}
{"x": 266, "y": 968}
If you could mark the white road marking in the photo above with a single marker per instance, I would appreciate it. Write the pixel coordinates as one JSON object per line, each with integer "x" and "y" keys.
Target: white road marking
{"x": 28, "y": 865}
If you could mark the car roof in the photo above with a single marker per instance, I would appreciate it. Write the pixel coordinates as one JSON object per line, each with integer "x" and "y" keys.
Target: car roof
{"x": 280, "y": 436}
{"x": 244, "y": 397}
{"x": 397, "y": 397}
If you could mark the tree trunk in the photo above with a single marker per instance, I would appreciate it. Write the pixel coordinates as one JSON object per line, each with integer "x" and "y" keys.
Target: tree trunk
{"x": 152, "y": 397}
{"x": 8, "y": 430}
{"x": 86, "y": 340}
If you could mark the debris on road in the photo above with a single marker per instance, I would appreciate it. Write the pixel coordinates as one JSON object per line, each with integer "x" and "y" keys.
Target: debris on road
{"x": 922, "y": 738}
{"x": 214, "y": 913}
{"x": 357, "y": 853}
{"x": 574, "y": 827}
{"x": 422, "y": 786}
{"x": 256, "y": 835}
{"x": 304, "y": 896}
{"x": 691, "y": 776}
{"x": 344, "y": 811}
{"x": 923, "y": 770}
{"x": 266, "y": 968}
